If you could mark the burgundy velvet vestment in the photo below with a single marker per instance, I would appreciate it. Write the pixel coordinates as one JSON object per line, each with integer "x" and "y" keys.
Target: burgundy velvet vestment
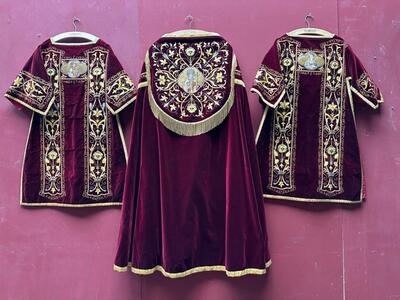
{"x": 193, "y": 198}
{"x": 307, "y": 142}
{"x": 75, "y": 153}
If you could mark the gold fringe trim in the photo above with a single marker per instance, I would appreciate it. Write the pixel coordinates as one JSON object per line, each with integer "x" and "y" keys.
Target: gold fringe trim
{"x": 72, "y": 205}
{"x": 253, "y": 90}
{"x": 191, "y": 128}
{"x": 43, "y": 113}
{"x": 159, "y": 268}
{"x": 273, "y": 197}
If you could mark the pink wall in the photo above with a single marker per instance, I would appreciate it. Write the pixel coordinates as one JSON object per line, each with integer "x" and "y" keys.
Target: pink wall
{"x": 319, "y": 252}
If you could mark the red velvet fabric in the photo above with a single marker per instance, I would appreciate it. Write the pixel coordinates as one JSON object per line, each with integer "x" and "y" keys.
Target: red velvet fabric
{"x": 192, "y": 201}
{"x": 308, "y": 131}
{"x": 73, "y": 143}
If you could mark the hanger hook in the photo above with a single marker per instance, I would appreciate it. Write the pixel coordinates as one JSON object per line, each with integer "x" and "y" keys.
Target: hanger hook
{"x": 75, "y": 20}
{"x": 308, "y": 18}
{"x": 189, "y": 19}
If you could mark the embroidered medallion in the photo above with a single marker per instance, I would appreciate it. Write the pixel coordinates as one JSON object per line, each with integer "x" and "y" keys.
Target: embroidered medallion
{"x": 191, "y": 80}
{"x": 192, "y": 84}
{"x": 283, "y": 136}
{"x": 332, "y": 121}
{"x": 310, "y": 60}
{"x": 52, "y": 133}
{"x": 97, "y": 132}
{"x": 73, "y": 68}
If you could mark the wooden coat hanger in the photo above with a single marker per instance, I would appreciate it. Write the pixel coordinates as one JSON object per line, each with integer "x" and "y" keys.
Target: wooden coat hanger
{"x": 309, "y": 31}
{"x": 91, "y": 39}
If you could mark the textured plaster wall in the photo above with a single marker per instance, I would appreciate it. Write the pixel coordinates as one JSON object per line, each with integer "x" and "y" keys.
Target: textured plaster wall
{"x": 325, "y": 252}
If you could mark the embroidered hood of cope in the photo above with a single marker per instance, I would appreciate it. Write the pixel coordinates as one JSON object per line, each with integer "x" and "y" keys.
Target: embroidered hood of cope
{"x": 192, "y": 82}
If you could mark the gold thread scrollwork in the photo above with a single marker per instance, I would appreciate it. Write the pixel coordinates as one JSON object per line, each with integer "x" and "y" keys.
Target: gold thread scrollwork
{"x": 52, "y": 132}
{"x": 269, "y": 82}
{"x": 332, "y": 121}
{"x": 120, "y": 87}
{"x": 367, "y": 87}
{"x": 283, "y": 136}
{"x": 97, "y": 132}
{"x": 32, "y": 89}
{"x": 198, "y": 89}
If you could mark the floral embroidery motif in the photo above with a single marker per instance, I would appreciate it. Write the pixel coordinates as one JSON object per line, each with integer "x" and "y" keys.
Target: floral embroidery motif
{"x": 52, "y": 133}
{"x": 120, "y": 88}
{"x": 269, "y": 82}
{"x": 367, "y": 87}
{"x": 332, "y": 121}
{"x": 191, "y": 79}
{"x": 36, "y": 91}
{"x": 283, "y": 136}
{"x": 74, "y": 68}
{"x": 97, "y": 133}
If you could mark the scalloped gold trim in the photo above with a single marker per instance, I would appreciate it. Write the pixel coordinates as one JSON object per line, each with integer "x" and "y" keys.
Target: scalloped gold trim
{"x": 220, "y": 268}
{"x": 192, "y": 128}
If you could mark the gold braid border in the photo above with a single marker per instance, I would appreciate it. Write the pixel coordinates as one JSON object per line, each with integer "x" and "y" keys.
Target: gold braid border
{"x": 193, "y": 128}
{"x": 228, "y": 273}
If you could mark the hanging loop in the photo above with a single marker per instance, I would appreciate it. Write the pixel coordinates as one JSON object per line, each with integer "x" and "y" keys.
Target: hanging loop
{"x": 189, "y": 19}
{"x": 308, "y": 18}
{"x": 75, "y": 21}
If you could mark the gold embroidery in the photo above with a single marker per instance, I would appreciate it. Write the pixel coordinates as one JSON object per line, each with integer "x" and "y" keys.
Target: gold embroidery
{"x": 52, "y": 132}
{"x": 179, "y": 90}
{"x": 283, "y": 136}
{"x": 193, "y": 84}
{"x": 97, "y": 133}
{"x": 32, "y": 89}
{"x": 367, "y": 87}
{"x": 269, "y": 82}
{"x": 332, "y": 121}
{"x": 119, "y": 89}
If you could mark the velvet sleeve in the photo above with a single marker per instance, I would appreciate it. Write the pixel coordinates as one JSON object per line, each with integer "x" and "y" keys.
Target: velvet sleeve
{"x": 32, "y": 87}
{"x": 361, "y": 87}
{"x": 269, "y": 81}
{"x": 120, "y": 89}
